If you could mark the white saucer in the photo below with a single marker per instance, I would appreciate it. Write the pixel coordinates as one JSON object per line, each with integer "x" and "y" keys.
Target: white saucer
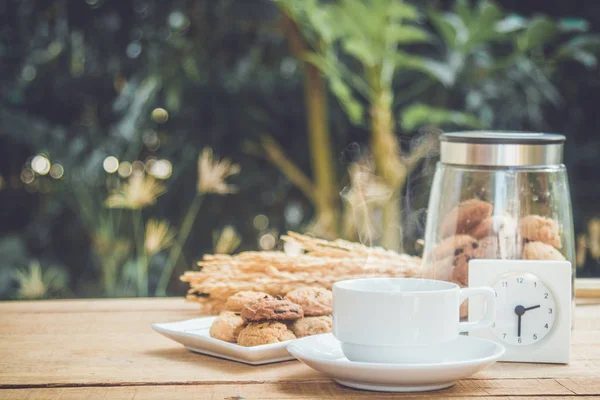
{"x": 459, "y": 359}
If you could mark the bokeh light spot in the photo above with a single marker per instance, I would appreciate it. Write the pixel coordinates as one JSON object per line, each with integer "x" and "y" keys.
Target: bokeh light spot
{"x": 27, "y": 176}
{"x": 125, "y": 169}
{"x": 261, "y": 222}
{"x": 267, "y": 241}
{"x": 56, "y": 47}
{"x": 288, "y": 67}
{"x": 160, "y": 115}
{"x": 151, "y": 140}
{"x": 178, "y": 21}
{"x": 161, "y": 169}
{"x": 293, "y": 214}
{"x": 138, "y": 167}
{"x": 40, "y": 164}
{"x": 57, "y": 171}
{"x": 150, "y": 162}
{"x": 29, "y": 72}
{"x": 134, "y": 49}
{"x": 111, "y": 164}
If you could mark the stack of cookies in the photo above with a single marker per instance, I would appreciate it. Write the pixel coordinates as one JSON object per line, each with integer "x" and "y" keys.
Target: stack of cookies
{"x": 470, "y": 230}
{"x": 256, "y": 318}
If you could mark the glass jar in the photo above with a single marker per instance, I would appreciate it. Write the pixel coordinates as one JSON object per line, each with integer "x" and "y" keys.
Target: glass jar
{"x": 497, "y": 195}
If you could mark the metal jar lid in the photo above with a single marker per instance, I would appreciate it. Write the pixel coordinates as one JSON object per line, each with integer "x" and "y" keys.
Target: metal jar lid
{"x": 501, "y": 149}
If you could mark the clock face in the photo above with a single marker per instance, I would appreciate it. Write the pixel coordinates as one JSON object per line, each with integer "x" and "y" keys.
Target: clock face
{"x": 525, "y": 309}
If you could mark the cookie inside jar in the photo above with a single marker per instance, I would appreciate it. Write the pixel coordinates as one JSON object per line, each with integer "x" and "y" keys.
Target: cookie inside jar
{"x": 472, "y": 230}
{"x": 497, "y": 195}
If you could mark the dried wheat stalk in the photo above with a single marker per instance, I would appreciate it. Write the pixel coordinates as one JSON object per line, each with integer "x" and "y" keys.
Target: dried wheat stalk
{"x": 277, "y": 273}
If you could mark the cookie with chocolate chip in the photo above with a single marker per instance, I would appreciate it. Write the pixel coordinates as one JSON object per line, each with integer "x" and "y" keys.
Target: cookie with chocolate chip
{"x": 488, "y": 248}
{"x": 238, "y": 301}
{"x": 276, "y": 309}
{"x": 455, "y": 245}
{"x": 313, "y": 300}
{"x": 460, "y": 273}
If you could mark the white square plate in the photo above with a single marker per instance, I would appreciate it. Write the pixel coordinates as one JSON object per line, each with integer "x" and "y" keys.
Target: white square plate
{"x": 194, "y": 335}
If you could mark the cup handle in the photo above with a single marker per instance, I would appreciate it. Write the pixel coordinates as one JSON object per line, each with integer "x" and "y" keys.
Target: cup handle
{"x": 490, "y": 315}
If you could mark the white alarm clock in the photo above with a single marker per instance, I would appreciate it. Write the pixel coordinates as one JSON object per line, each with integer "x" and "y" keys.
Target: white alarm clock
{"x": 533, "y": 307}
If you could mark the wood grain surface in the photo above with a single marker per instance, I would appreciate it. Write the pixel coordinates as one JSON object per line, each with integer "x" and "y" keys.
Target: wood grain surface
{"x": 96, "y": 349}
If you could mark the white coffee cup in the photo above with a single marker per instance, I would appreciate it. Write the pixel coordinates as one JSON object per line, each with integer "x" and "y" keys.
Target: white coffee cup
{"x": 401, "y": 320}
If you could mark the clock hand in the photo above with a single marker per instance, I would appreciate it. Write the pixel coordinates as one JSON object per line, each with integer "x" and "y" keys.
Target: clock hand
{"x": 519, "y": 310}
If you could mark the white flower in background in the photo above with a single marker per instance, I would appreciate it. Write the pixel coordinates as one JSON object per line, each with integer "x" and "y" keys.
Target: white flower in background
{"x": 138, "y": 192}
{"x": 226, "y": 241}
{"x": 159, "y": 236}
{"x": 34, "y": 283}
{"x": 212, "y": 174}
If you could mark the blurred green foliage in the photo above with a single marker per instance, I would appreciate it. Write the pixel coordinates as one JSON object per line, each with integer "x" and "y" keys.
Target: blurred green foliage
{"x": 80, "y": 80}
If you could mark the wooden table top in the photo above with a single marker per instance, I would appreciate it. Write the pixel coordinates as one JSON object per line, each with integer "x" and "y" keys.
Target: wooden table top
{"x": 96, "y": 349}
